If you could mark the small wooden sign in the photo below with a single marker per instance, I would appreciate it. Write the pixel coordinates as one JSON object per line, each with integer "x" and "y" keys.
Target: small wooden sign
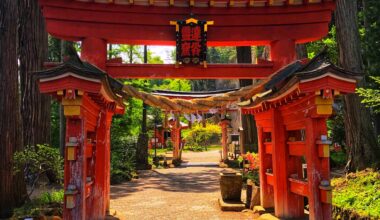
{"x": 191, "y": 41}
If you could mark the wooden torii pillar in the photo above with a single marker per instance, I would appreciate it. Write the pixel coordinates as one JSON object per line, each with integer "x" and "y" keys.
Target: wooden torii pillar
{"x": 224, "y": 125}
{"x": 175, "y": 135}
{"x": 89, "y": 102}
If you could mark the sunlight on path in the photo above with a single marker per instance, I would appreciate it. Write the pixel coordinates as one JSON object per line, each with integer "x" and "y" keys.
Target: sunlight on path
{"x": 178, "y": 193}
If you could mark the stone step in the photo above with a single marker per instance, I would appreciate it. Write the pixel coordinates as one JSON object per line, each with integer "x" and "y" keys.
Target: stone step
{"x": 231, "y": 206}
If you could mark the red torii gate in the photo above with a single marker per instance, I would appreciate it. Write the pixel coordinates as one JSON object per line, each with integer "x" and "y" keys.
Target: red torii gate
{"x": 91, "y": 99}
{"x": 176, "y": 127}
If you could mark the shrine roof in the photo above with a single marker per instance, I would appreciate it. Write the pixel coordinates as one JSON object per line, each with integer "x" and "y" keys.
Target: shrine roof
{"x": 75, "y": 67}
{"x": 292, "y": 76}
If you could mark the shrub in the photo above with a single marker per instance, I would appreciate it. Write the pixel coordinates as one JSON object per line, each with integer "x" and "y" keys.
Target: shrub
{"x": 358, "y": 193}
{"x": 251, "y": 168}
{"x": 47, "y": 204}
{"x": 199, "y": 137}
{"x": 36, "y": 161}
{"x": 123, "y": 154}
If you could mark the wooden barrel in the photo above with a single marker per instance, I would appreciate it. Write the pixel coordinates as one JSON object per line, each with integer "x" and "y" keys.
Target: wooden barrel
{"x": 230, "y": 186}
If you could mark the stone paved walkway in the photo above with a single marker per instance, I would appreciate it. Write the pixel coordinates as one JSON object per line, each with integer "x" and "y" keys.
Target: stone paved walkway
{"x": 185, "y": 193}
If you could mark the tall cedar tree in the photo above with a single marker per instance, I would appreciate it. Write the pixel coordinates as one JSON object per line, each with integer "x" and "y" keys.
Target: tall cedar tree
{"x": 249, "y": 139}
{"x": 35, "y": 107}
{"x": 12, "y": 187}
{"x": 363, "y": 150}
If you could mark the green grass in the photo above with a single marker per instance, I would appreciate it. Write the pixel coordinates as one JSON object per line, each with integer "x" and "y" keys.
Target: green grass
{"x": 159, "y": 151}
{"x": 358, "y": 192}
{"x": 48, "y": 203}
{"x": 201, "y": 149}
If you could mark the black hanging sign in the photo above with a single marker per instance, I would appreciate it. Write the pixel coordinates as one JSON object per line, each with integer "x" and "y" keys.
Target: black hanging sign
{"x": 191, "y": 41}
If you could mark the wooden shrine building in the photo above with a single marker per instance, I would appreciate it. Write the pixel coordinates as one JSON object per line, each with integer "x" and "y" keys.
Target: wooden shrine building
{"x": 291, "y": 104}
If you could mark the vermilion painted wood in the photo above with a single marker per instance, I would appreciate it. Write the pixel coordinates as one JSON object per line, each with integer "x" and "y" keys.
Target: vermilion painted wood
{"x": 266, "y": 189}
{"x": 176, "y": 138}
{"x": 328, "y": 83}
{"x": 299, "y": 187}
{"x": 281, "y": 192}
{"x": 296, "y": 148}
{"x": 283, "y": 51}
{"x": 102, "y": 165}
{"x": 150, "y": 25}
{"x": 268, "y": 147}
{"x": 68, "y": 83}
{"x": 270, "y": 178}
{"x": 94, "y": 51}
{"x": 224, "y": 124}
{"x": 315, "y": 127}
{"x": 213, "y": 71}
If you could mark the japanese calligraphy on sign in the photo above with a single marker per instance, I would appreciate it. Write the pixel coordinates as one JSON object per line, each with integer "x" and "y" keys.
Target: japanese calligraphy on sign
{"x": 191, "y": 41}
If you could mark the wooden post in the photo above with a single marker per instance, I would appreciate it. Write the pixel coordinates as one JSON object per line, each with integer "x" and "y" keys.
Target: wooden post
{"x": 94, "y": 51}
{"x": 280, "y": 183}
{"x": 317, "y": 169}
{"x": 283, "y": 52}
{"x": 102, "y": 164}
{"x": 75, "y": 165}
{"x": 176, "y": 138}
{"x": 224, "y": 125}
{"x": 266, "y": 191}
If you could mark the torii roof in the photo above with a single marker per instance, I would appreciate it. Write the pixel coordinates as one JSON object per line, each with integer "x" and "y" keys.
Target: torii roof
{"x": 147, "y": 22}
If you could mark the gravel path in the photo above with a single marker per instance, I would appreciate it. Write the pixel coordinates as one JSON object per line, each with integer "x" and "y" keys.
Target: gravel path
{"x": 178, "y": 193}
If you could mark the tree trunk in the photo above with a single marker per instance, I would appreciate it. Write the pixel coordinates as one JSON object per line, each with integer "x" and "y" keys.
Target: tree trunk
{"x": 361, "y": 140}
{"x": 143, "y": 139}
{"x": 301, "y": 50}
{"x": 35, "y": 107}
{"x": 249, "y": 133}
{"x": 12, "y": 187}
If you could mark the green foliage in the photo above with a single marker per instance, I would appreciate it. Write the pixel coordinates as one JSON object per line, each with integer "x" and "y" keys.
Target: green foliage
{"x": 371, "y": 96}
{"x": 358, "y": 192}
{"x": 123, "y": 154}
{"x": 335, "y": 126}
{"x": 54, "y": 49}
{"x": 221, "y": 55}
{"x": 35, "y": 161}
{"x": 47, "y": 204}
{"x": 369, "y": 18}
{"x": 338, "y": 159}
{"x": 198, "y": 137}
{"x": 174, "y": 85}
{"x": 330, "y": 42}
{"x": 54, "y": 123}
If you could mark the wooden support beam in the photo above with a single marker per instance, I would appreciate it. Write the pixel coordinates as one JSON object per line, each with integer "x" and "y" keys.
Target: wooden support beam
{"x": 213, "y": 71}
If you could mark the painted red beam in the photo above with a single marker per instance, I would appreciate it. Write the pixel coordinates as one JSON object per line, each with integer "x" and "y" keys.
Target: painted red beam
{"x": 122, "y": 24}
{"x": 213, "y": 71}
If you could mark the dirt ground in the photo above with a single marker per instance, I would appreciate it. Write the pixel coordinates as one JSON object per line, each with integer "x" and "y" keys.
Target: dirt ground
{"x": 188, "y": 192}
